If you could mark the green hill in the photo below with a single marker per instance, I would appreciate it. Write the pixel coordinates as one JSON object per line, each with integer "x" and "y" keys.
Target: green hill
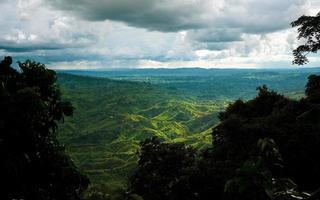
{"x": 115, "y": 112}
{"x": 111, "y": 117}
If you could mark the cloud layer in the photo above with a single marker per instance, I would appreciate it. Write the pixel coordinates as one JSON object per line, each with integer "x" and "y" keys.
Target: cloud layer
{"x": 142, "y": 33}
{"x": 252, "y": 16}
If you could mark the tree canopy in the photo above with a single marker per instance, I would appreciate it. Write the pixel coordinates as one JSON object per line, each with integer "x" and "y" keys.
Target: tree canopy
{"x": 308, "y": 29}
{"x": 264, "y": 148}
{"x": 33, "y": 163}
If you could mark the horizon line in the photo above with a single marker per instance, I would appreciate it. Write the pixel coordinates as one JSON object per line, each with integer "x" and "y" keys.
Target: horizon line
{"x": 186, "y": 68}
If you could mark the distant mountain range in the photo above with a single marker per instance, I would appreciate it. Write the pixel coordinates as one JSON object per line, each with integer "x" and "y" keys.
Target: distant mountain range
{"x": 183, "y": 71}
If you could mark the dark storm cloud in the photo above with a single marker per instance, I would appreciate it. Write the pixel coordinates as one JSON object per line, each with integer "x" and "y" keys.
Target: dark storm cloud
{"x": 163, "y": 15}
{"x": 251, "y": 16}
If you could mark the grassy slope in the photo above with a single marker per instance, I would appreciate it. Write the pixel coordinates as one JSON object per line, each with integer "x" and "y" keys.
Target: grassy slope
{"x": 112, "y": 117}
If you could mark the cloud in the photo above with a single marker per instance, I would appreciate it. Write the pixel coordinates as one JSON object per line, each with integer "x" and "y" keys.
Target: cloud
{"x": 133, "y": 33}
{"x": 212, "y": 25}
{"x": 28, "y": 26}
{"x": 259, "y": 16}
{"x": 164, "y": 15}
{"x": 19, "y": 41}
{"x": 212, "y": 35}
{"x": 252, "y": 16}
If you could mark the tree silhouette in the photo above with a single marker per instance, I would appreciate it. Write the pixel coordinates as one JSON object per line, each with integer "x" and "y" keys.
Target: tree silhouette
{"x": 309, "y": 29}
{"x": 161, "y": 166}
{"x": 33, "y": 163}
{"x": 313, "y": 89}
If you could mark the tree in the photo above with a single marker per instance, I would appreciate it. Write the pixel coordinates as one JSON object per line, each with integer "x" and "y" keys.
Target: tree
{"x": 161, "y": 166}
{"x": 313, "y": 88}
{"x": 33, "y": 164}
{"x": 262, "y": 149}
{"x": 266, "y": 148}
{"x": 309, "y": 29}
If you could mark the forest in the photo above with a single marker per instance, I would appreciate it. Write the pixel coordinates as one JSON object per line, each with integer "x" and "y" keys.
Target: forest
{"x": 162, "y": 134}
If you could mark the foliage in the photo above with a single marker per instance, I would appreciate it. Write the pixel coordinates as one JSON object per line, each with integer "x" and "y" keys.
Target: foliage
{"x": 309, "y": 30}
{"x": 312, "y": 89}
{"x": 33, "y": 163}
{"x": 261, "y": 148}
{"x": 104, "y": 191}
{"x": 292, "y": 124}
{"x": 111, "y": 117}
{"x": 160, "y": 167}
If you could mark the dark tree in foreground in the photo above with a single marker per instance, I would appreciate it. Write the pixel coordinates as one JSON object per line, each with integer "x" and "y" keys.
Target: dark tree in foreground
{"x": 161, "y": 167}
{"x": 309, "y": 29}
{"x": 33, "y": 164}
{"x": 265, "y": 148}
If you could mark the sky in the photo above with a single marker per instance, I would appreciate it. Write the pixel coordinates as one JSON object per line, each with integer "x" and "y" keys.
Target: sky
{"x": 105, "y": 34}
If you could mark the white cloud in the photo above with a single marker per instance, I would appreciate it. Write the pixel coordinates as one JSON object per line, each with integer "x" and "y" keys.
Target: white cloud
{"x": 138, "y": 33}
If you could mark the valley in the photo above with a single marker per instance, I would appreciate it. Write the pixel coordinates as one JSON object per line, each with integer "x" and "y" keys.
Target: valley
{"x": 116, "y": 110}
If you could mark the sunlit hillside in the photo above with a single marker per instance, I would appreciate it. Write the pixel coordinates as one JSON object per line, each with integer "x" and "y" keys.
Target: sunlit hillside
{"x": 116, "y": 111}
{"x": 112, "y": 117}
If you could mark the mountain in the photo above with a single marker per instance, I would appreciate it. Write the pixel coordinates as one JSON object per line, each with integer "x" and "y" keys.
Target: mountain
{"x": 115, "y": 110}
{"x": 111, "y": 118}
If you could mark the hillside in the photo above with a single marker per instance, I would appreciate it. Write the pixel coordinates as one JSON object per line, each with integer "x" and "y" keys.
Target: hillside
{"x": 213, "y": 84}
{"x": 111, "y": 117}
{"x": 118, "y": 109}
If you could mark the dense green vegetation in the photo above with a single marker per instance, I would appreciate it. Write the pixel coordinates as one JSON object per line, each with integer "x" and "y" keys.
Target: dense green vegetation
{"x": 34, "y": 166}
{"x": 113, "y": 115}
{"x": 264, "y": 148}
{"x": 213, "y": 84}
{"x": 172, "y": 134}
